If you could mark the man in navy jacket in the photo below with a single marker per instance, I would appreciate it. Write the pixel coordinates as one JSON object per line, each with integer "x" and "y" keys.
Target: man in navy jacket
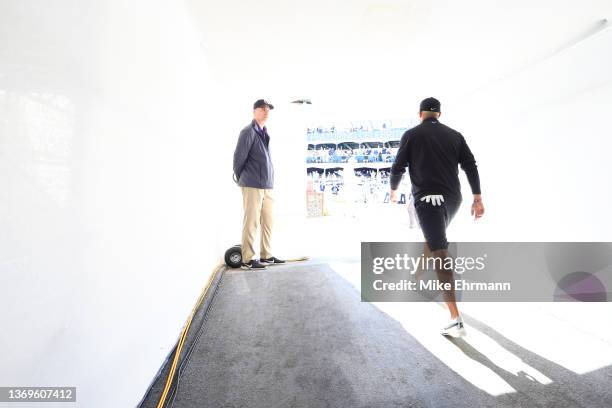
{"x": 255, "y": 174}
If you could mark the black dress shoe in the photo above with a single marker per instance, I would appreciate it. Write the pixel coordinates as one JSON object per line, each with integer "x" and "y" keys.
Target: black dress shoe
{"x": 253, "y": 264}
{"x": 271, "y": 260}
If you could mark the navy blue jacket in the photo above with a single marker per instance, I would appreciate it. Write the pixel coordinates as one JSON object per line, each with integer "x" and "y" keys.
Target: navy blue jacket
{"x": 252, "y": 159}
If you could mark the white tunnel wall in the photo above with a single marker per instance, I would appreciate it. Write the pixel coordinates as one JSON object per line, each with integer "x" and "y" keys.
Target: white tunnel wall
{"x": 110, "y": 218}
{"x": 542, "y": 140}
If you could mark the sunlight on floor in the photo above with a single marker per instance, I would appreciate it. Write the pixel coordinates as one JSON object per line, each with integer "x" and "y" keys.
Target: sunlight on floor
{"x": 551, "y": 331}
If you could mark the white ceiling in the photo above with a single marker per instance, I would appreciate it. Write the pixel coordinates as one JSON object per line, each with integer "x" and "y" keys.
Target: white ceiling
{"x": 382, "y": 53}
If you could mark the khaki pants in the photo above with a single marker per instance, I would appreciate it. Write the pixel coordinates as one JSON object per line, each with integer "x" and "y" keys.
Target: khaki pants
{"x": 258, "y": 204}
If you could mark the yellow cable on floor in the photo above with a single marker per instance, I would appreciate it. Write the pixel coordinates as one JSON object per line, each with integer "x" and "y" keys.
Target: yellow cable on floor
{"x": 179, "y": 347}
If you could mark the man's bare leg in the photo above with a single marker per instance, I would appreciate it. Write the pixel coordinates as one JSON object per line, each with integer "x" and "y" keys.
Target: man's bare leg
{"x": 426, "y": 253}
{"x": 445, "y": 276}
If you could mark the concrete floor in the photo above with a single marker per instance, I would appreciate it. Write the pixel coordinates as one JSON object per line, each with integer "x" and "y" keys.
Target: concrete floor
{"x": 299, "y": 336}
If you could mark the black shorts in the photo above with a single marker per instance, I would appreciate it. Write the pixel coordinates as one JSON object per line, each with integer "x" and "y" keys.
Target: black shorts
{"x": 435, "y": 219}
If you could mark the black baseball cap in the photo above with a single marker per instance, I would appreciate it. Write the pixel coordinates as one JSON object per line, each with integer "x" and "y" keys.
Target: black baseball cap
{"x": 430, "y": 105}
{"x": 261, "y": 103}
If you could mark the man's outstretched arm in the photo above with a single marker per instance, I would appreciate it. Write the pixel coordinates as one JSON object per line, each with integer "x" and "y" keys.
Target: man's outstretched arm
{"x": 399, "y": 167}
{"x": 468, "y": 165}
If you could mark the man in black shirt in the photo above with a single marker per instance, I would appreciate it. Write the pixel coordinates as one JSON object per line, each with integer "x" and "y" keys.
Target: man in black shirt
{"x": 433, "y": 151}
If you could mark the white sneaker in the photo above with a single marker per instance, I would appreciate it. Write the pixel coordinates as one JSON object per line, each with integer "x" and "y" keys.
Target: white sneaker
{"x": 455, "y": 328}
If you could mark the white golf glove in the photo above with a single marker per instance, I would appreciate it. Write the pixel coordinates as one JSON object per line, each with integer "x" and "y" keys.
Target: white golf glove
{"x": 434, "y": 199}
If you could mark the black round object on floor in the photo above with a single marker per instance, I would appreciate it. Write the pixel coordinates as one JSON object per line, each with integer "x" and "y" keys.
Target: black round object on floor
{"x": 233, "y": 256}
